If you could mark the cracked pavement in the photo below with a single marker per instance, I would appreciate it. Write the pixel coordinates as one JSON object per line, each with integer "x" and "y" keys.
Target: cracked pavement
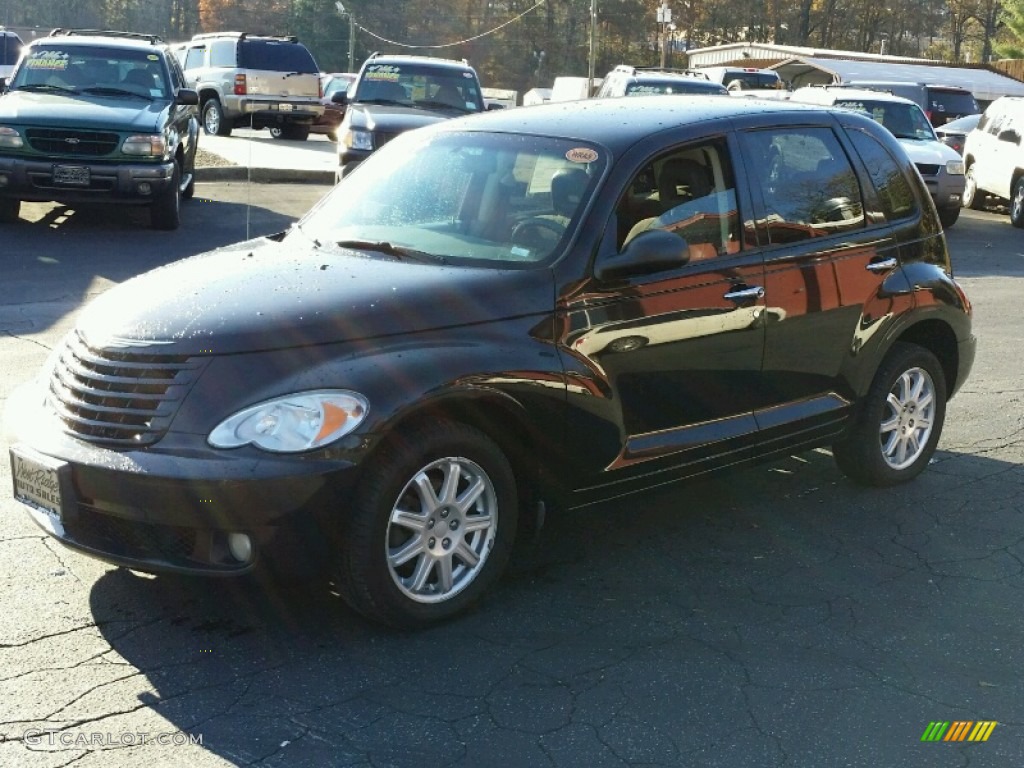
{"x": 779, "y": 616}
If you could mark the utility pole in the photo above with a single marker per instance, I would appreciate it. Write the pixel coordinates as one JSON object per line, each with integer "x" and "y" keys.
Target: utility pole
{"x": 590, "y": 57}
{"x": 664, "y": 17}
{"x": 351, "y": 34}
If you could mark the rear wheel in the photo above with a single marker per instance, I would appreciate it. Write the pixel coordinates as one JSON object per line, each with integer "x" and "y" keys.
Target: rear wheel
{"x": 900, "y": 421}
{"x": 276, "y": 132}
{"x": 9, "y": 210}
{"x": 973, "y": 197}
{"x": 213, "y": 119}
{"x": 430, "y": 528}
{"x": 1017, "y": 203}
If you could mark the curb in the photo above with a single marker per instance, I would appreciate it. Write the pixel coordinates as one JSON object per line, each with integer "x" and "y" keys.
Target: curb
{"x": 263, "y": 175}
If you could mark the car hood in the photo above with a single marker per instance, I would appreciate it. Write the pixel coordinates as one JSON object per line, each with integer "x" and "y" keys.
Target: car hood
{"x": 70, "y": 111}
{"x": 387, "y": 118}
{"x": 929, "y": 152}
{"x": 265, "y": 294}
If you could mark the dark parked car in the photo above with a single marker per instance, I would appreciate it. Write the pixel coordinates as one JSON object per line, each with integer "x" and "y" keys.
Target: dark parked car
{"x": 495, "y": 317}
{"x": 93, "y": 117}
{"x": 954, "y": 133}
{"x": 329, "y": 122}
{"x": 394, "y": 94}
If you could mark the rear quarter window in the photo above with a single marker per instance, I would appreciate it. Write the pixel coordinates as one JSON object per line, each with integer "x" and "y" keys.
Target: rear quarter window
{"x": 894, "y": 192}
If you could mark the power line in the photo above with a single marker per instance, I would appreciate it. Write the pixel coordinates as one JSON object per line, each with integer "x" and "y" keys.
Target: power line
{"x": 460, "y": 42}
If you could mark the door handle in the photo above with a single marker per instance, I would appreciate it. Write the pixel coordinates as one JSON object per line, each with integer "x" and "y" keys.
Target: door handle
{"x": 882, "y": 266}
{"x": 745, "y": 293}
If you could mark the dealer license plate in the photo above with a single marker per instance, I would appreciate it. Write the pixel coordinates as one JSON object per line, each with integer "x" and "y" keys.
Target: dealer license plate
{"x": 38, "y": 480}
{"x": 72, "y": 175}
{"x": 285, "y": 107}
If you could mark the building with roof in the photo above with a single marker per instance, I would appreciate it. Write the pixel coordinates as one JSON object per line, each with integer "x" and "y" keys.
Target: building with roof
{"x": 798, "y": 65}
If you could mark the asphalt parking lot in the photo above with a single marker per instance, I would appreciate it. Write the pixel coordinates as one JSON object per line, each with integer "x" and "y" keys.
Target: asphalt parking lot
{"x": 779, "y": 616}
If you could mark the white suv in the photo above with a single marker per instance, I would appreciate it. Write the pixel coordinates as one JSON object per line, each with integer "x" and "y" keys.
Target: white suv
{"x": 939, "y": 165}
{"x": 995, "y": 158}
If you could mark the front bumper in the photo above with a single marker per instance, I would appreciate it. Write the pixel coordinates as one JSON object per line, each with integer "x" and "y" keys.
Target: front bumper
{"x": 33, "y": 180}
{"x": 171, "y": 506}
{"x": 946, "y": 190}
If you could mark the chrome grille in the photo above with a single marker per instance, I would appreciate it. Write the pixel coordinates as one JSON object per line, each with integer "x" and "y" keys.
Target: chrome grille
{"x": 58, "y": 141}
{"x": 116, "y": 397}
{"x": 927, "y": 170}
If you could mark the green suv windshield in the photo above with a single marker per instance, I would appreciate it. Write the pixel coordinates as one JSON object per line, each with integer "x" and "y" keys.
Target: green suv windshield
{"x": 97, "y": 70}
{"x": 420, "y": 85}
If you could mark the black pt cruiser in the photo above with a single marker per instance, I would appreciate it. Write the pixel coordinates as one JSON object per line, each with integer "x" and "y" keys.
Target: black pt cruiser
{"x": 537, "y": 308}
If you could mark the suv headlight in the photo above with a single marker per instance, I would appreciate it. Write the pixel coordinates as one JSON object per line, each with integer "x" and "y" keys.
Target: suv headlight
{"x": 292, "y": 423}
{"x": 356, "y": 139}
{"x": 10, "y": 138}
{"x": 955, "y": 167}
{"x": 145, "y": 146}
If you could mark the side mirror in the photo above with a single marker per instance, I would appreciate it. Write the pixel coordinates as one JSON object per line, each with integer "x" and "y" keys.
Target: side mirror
{"x": 187, "y": 97}
{"x": 339, "y": 97}
{"x": 492, "y": 105}
{"x": 651, "y": 251}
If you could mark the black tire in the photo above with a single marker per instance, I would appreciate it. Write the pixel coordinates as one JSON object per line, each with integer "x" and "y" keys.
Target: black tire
{"x": 165, "y": 212}
{"x": 190, "y": 189}
{"x": 333, "y": 137}
{"x": 214, "y": 123}
{"x": 1017, "y": 203}
{"x": 438, "y": 452}
{"x": 973, "y": 197}
{"x": 948, "y": 216}
{"x": 9, "y": 210}
{"x": 295, "y": 132}
{"x": 870, "y": 451}
{"x": 276, "y": 132}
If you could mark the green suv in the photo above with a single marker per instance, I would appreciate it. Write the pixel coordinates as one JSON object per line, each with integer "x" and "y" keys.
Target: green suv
{"x": 93, "y": 117}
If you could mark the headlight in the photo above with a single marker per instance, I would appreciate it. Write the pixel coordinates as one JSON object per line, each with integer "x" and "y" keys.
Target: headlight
{"x": 955, "y": 167}
{"x": 10, "y": 138}
{"x": 356, "y": 139}
{"x": 147, "y": 146}
{"x": 299, "y": 422}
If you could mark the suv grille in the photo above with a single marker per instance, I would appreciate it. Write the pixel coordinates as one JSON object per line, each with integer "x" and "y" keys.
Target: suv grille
{"x": 60, "y": 141}
{"x": 115, "y": 397}
{"x": 928, "y": 170}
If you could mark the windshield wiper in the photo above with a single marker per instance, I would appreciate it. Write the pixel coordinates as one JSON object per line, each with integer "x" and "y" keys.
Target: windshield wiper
{"x": 383, "y": 101}
{"x": 45, "y": 87}
{"x": 399, "y": 251}
{"x": 440, "y": 105}
{"x": 104, "y": 91}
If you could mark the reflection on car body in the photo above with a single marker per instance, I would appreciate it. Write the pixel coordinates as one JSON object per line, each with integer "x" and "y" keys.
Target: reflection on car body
{"x": 465, "y": 334}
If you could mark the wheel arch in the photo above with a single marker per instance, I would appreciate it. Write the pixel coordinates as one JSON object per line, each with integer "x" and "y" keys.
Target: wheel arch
{"x": 939, "y": 339}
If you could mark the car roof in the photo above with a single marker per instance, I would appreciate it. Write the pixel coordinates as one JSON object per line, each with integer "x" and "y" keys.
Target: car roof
{"x": 106, "y": 41}
{"x": 619, "y": 123}
{"x": 402, "y": 58}
{"x": 842, "y": 93}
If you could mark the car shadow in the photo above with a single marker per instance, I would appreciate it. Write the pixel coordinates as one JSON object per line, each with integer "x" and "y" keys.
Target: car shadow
{"x": 617, "y": 615}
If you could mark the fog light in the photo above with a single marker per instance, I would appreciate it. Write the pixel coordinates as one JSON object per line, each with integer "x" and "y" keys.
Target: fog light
{"x": 145, "y": 188}
{"x": 240, "y": 547}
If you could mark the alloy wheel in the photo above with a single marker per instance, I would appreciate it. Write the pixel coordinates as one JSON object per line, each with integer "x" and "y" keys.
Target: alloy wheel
{"x": 908, "y": 420}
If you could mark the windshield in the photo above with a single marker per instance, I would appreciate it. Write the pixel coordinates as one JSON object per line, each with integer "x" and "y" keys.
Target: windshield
{"x": 113, "y": 71}
{"x": 904, "y": 121}
{"x": 463, "y": 197}
{"x": 670, "y": 85}
{"x": 420, "y": 85}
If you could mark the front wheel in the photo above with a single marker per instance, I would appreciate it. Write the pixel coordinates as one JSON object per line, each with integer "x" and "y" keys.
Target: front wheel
{"x": 165, "y": 211}
{"x": 430, "y": 528}
{"x": 1017, "y": 203}
{"x": 948, "y": 216}
{"x": 900, "y": 420}
{"x": 9, "y": 210}
{"x": 973, "y": 197}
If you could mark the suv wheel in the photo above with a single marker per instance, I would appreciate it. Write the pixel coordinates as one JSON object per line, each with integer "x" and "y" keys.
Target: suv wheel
{"x": 9, "y": 210}
{"x": 276, "y": 132}
{"x": 899, "y": 423}
{"x": 973, "y": 197}
{"x": 165, "y": 212}
{"x": 948, "y": 216}
{"x": 1017, "y": 203}
{"x": 213, "y": 119}
{"x": 431, "y": 526}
